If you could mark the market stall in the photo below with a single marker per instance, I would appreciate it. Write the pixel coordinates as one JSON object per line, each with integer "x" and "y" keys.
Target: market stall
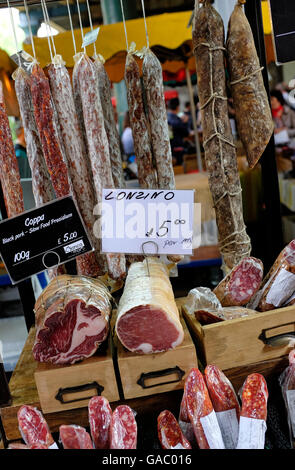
{"x": 114, "y": 359}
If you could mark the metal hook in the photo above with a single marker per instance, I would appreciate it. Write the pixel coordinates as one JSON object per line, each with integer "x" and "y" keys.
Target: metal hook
{"x": 145, "y": 255}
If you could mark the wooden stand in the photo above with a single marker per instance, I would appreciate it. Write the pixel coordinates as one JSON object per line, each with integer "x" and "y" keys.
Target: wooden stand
{"x": 66, "y": 387}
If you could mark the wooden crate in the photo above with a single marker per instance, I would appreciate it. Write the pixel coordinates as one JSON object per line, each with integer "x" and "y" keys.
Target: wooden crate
{"x": 148, "y": 374}
{"x": 66, "y": 387}
{"x": 249, "y": 340}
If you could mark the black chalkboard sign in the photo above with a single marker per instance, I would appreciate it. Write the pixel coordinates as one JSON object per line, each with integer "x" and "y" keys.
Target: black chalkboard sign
{"x": 283, "y": 23}
{"x": 42, "y": 238}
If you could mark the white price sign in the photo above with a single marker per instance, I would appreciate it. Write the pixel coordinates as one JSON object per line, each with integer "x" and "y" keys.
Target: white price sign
{"x": 150, "y": 221}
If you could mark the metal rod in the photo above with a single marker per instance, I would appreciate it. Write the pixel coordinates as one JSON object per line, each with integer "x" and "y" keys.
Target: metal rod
{"x": 273, "y": 222}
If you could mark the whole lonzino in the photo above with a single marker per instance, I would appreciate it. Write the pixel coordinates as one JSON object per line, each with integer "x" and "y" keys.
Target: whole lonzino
{"x": 220, "y": 152}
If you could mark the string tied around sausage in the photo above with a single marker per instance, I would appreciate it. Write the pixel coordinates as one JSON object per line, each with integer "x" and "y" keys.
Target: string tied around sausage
{"x": 235, "y": 82}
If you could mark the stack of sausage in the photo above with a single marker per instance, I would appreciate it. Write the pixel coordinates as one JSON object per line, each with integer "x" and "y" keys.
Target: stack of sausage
{"x": 108, "y": 429}
{"x": 210, "y": 414}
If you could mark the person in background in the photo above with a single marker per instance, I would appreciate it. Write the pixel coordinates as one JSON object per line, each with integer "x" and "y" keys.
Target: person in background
{"x": 188, "y": 112}
{"x": 127, "y": 137}
{"x": 21, "y": 152}
{"x": 283, "y": 115}
{"x": 180, "y": 130}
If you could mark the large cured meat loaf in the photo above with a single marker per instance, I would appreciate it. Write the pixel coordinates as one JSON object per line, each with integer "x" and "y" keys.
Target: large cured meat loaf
{"x": 157, "y": 114}
{"x": 72, "y": 319}
{"x": 123, "y": 430}
{"x": 33, "y": 428}
{"x": 41, "y": 183}
{"x": 110, "y": 124}
{"x": 148, "y": 318}
{"x": 169, "y": 432}
{"x": 241, "y": 284}
{"x": 139, "y": 125}
{"x": 279, "y": 284}
{"x": 250, "y": 100}
{"x": 74, "y": 437}
{"x": 9, "y": 171}
{"x": 100, "y": 417}
{"x": 220, "y": 152}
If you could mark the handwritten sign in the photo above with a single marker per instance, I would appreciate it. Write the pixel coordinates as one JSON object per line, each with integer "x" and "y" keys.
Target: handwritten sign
{"x": 150, "y": 221}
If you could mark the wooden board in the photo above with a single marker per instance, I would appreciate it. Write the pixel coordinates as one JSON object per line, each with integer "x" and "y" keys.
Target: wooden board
{"x": 66, "y": 387}
{"x": 148, "y": 374}
{"x": 243, "y": 341}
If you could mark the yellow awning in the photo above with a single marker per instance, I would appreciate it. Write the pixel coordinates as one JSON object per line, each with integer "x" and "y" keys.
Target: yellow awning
{"x": 169, "y": 30}
{"x": 266, "y": 17}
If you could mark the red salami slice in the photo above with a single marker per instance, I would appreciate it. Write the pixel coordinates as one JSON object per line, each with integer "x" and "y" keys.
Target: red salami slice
{"x": 100, "y": 416}
{"x": 241, "y": 284}
{"x": 74, "y": 437}
{"x": 221, "y": 391}
{"x": 201, "y": 413}
{"x": 123, "y": 429}
{"x": 254, "y": 397}
{"x": 169, "y": 432}
{"x": 33, "y": 427}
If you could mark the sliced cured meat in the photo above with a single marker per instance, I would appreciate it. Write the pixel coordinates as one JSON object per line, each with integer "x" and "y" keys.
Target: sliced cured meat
{"x": 41, "y": 183}
{"x": 123, "y": 429}
{"x": 201, "y": 413}
{"x": 204, "y": 305}
{"x": 148, "y": 318}
{"x": 33, "y": 427}
{"x": 225, "y": 404}
{"x": 184, "y": 422}
{"x": 253, "y": 413}
{"x": 241, "y": 284}
{"x": 279, "y": 283}
{"x": 72, "y": 319}
{"x": 100, "y": 416}
{"x": 74, "y": 437}
{"x": 9, "y": 171}
{"x": 169, "y": 432}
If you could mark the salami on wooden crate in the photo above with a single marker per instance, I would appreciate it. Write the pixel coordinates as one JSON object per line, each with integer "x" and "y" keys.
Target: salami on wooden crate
{"x": 33, "y": 428}
{"x": 123, "y": 429}
{"x": 72, "y": 319}
{"x": 148, "y": 318}
{"x": 169, "y": 432}
{"x": 74, "y": 437}
{"x": 100, "y": 417}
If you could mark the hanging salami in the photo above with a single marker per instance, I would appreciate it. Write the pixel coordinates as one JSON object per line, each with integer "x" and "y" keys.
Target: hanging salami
{"x": 41, "y": 183}
{"x": 250, "y": 100}
{"x": 9, "y": 171}
{"x": 86, "y": 84}
{"x": 110, "y": 124}
{"x": 139, "y": 125}
{"x": 220, "y": 152}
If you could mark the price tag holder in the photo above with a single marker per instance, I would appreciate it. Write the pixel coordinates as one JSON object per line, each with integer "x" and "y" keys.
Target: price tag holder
{"x": 42, "y": 238}
{"x": 130, "y": 219}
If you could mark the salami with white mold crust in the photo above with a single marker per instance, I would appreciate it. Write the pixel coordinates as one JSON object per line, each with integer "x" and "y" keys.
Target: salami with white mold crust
{"x": 148, "y": 318}
{"x": 123, "y": 429}
{"x": 241, "y": 284}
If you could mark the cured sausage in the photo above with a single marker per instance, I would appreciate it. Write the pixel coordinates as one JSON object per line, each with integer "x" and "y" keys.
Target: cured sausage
{"x": 169, "y": 432}
{"x": 253, "y": 413}
{"x": 201, "y": 413}
{"x": 9, "y": 171}
{"x": 241, "y": 284}
{"x": 220, "y": 152}
{"x": 148, "y": 318}
{"x": 252, "y": 111}
{"x": 72, "y": 319}
{"x": 85, "y": 77}
{"x": 74, "y": 437}
{"x": 139, "y": 125}
{"x": 287, "y": 383}
{"x": 110, "y": 124}
{"x": 184, "y": 422}
{"x": 41, "y": 183}
{"x": 225, "y": 404}
{"x": 123, "y": 429}
{"x": 157, "y": 114}
{"x": 100, "y": 416}
{"x": 33, "y": 427}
